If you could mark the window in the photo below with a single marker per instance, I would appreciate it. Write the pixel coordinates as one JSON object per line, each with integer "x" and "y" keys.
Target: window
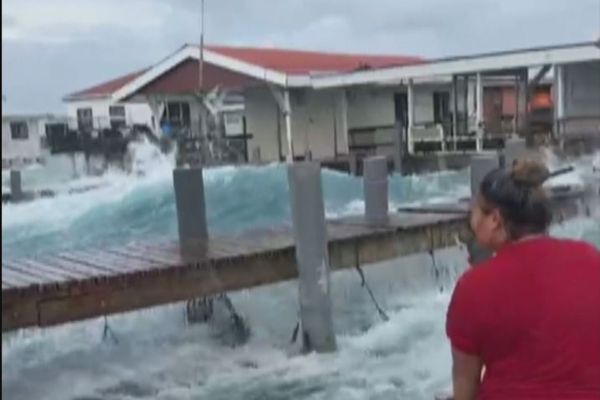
{"x": 19, "y": 130}
{"x": 177, "y": 114}
{"x": 116, "y": 111}
{"x": 85, "y": 119}
{"x": 233, "y": 119}
{"x": 117, "y": 116}
{"x": 234, "y": 123}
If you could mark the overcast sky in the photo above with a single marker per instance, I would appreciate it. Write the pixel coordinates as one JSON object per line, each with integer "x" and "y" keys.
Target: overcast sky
{"x": 53, "y": 47}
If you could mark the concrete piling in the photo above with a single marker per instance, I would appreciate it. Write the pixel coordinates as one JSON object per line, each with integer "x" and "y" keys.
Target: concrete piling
{"x": 16, "y": 186}
{"x": 375, "y": 182}
{"x": 353, "y": 164}
{"x": 514, "y": 149}
{"x": 312, "y": 259}
{"x": 399, "y": 150}
{"x": 481, "y": 164}
{"x": 191, "y": 207}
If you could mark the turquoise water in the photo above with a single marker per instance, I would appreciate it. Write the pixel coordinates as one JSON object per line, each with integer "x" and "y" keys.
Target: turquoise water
{"x": 130, "y": 208}
{"x": 159, "y": 356}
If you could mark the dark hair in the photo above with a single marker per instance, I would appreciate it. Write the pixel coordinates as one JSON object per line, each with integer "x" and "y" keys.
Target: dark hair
{"x": 519, "y": 195}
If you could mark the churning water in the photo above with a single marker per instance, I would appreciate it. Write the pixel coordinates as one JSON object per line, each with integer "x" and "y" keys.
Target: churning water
{"x": 158, "y": 356}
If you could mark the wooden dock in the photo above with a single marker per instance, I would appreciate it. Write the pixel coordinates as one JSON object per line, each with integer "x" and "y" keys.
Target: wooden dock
{"x": 55, "y": 289}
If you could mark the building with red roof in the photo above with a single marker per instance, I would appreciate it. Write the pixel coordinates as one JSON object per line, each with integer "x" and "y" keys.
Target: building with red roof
{"x": 328, "y": 105}
{"x": 239, "y": 77}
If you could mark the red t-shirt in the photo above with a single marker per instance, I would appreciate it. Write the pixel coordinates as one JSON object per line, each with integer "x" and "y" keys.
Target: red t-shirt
{"x": 532, "y": 313}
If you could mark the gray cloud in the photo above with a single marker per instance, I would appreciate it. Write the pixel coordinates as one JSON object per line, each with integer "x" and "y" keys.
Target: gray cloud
{"x": 38, "y": 71}
{"x": 8, "y": 21}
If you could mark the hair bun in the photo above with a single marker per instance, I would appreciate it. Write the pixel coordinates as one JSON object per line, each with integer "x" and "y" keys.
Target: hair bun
{"x": 529, "y": 172}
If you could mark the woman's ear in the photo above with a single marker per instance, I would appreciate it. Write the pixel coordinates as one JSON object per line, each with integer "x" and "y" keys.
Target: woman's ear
{"x": 497, "y": 219}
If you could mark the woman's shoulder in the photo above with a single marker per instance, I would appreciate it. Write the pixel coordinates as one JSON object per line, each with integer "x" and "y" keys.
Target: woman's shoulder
{"x": 546, "y": 247}
{"x": 580, "y": 244}
{"x": 476, "y": 276}
{"x": 573, "y": 248}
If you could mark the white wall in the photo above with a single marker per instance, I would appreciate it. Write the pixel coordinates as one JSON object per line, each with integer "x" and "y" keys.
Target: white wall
{"x": 317, "y": 123}
{"x": 374, "y": 107}
{"x": 582, "y": 89}
{"x": 19, "y": 149}
{"x": 424, "y": 101}
{"x": 371, "y": 107}
{"x": 315, "y": 115}
{"x": 135, "y": 113}
{"x": 262, "y": 119}
{"x": 138, "y": 113}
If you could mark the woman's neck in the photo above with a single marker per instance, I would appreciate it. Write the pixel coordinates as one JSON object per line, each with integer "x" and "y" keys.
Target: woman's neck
{"x": 522, "y": 239}
{"x": 529, "y": 237}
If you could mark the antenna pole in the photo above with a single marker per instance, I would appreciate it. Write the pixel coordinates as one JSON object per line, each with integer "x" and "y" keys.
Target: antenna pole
{"x": 201, "y": 59}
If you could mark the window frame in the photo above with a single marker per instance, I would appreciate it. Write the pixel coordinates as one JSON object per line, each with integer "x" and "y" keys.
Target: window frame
{"x": 14, "y": 132}
{"x": 87, "y": 123}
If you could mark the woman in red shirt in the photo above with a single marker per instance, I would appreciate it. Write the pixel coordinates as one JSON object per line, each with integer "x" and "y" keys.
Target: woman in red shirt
{"x": 529, "y": 317}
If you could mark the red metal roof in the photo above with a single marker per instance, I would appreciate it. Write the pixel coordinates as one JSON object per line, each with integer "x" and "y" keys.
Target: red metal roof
{"x": 292, "y": 62}
{"x": 106, "y": 88}
{"x": 304, "y": 62}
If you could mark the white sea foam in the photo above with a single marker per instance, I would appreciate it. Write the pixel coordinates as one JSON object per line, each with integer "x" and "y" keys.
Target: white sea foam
{"x": 159, "y": 357}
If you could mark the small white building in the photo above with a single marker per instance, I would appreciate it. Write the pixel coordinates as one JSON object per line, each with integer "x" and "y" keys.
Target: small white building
{"x": 96, "y": 108}
{"x": 99, "y": 107}
{"x": 24, "y": 138}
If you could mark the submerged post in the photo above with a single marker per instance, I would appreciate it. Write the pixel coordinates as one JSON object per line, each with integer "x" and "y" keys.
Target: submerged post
{"x": 16, "y": 187}
{"x": 514, "y": 149}
{"x": 310, "y": 236}
{"x": 481, "y": 164}
{"x": 353, "y": 164}
{"x": 398, "y": 147}
{"x": 191, "y": 207}
{"x": 375, "y": 174}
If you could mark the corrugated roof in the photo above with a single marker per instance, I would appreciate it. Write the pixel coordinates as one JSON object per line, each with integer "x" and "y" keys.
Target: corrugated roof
{"x": 105, "y": 89}
{"x": 297, "y": 62}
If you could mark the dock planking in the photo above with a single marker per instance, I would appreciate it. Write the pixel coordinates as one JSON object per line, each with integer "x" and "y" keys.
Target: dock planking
{"x": 70, "y": 286}
{"x": 54, "y": 289}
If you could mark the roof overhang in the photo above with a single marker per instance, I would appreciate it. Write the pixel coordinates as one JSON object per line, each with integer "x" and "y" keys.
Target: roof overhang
{"x": 85, "y": 97}
{"x": 499, "y": 61}
{"x": 211, "y": 57}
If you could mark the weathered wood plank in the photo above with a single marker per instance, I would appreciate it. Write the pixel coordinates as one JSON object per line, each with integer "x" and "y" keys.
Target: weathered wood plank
{"x": 263, "y": 240}
{"x": 14, "y": 278}
{"x": 168, "y": 287}
{"x": 87, "y": 271}
{"x": 89, "y": 259}
{"x": 224, "y": 248}
{"x": 124, "y": 261}
{"x": 43, "y": 264}
{"x": 39, "y": 275}
{"x": 8, "y": 283}
{"x": 143, "y": 259}
{"x": 170, "y": 257}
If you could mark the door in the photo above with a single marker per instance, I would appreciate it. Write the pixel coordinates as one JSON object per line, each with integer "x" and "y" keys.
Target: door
{"x": 401, "y": 108}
